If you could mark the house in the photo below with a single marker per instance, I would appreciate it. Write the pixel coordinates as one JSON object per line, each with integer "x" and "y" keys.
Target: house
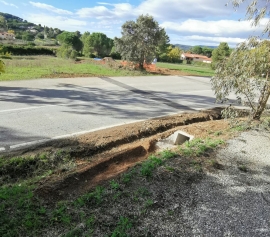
{"x": 195, "y": 58}
{"x": 7, "y": 36}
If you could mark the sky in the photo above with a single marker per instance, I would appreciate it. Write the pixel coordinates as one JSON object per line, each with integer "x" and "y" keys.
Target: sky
{"x": 189, "y": 22}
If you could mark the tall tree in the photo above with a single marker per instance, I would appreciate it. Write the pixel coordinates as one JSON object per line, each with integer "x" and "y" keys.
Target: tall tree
{"x": 247, "y": 74}
{"x": 197, "y": 50}
{"x": 97, "y": 43}
{"x": 221, "y": 52}
{"x": 140, "y": 40}
{"x": 247, "y": 71}
{"x": 70, "y": 39}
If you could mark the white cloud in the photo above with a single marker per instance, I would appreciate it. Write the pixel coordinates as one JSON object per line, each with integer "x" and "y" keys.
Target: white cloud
{"x": 50, "y": 8}
{"x": 8, "y": 4}
{"x": 63, "y": 23}
{"x": 217, "y": 40}
{"x": 215, "y": 28}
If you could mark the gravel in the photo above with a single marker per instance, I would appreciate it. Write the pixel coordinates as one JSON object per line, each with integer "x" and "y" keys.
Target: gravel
{"x": 235, "y": 201}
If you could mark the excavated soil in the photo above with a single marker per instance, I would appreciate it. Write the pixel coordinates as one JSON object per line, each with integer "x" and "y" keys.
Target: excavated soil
{"x": 104, "y": 154}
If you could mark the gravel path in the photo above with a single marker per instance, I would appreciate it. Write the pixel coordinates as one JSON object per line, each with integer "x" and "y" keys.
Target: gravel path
{"x": 233, "y": 201}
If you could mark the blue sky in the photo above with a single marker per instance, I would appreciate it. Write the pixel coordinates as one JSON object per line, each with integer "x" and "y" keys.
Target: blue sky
{"x": 192, "y": 22}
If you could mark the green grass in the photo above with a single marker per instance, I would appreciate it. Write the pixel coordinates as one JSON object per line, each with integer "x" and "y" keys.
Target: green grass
{"x": 193, "y": 69}
{"x": 198, "y": 147}
{"x": 21, "y": 211}
{"x": 33, "y": 67}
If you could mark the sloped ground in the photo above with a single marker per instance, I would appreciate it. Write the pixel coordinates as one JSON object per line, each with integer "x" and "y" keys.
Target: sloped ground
{"x": 194, "y": 190}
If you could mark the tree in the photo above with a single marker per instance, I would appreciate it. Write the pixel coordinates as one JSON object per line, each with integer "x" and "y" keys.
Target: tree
{"x": 70, "y": 39}
{"x": 97, "y": 43}
{"x": 255, "y": 14}
{"x": 140, "y": 40}
{"x": 27, "y": 36}
{"x": 207, "y": 52}
{"x": 246, "y": 73}
{"x": 221, "y": 52}
{"x": 197, "y": 50}
{"x": 175, "y": 54}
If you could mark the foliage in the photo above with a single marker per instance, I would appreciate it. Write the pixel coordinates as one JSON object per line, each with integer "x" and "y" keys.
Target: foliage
{"x": 123, "y": 226}
{"x": 246, "y": 73}
{"x": 97, "y": 43}
{"x": 198, "y": 147}
{"x": 26, "y": 50}
{"x": 256, "y": 11}
{"x": 221, "y": 52}
{"x": 174, "y": 55}
{"x": 70, "y": 39}
{"x": 2, "y": 66}
{"x": 67, "y": 52}
{"x": 140, "y": 40}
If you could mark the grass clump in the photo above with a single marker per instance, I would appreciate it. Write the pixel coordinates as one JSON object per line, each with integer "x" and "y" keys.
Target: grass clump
{"x": 198, "y": 147}
{"x": 123, "y": 225}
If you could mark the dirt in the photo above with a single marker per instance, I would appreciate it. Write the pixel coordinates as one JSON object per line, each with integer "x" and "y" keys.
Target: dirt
{"x": 153, "y": 69}
{"x": 104, "y": 154}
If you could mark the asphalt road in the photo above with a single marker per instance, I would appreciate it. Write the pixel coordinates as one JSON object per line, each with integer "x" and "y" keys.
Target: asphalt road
{"x": 34, "y": 110}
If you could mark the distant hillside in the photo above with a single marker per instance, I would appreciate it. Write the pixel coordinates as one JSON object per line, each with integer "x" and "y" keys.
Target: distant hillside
{"x": 187, "y": 47}
{"x": 26, "y": 30}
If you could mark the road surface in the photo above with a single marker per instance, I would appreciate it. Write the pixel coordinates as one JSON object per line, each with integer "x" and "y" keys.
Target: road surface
{"x": 34, "y": 110}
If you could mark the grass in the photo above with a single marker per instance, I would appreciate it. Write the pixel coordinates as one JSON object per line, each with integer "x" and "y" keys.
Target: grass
{"x": 23, "y": 212}
{"x": 192, "y": 69}
{"x": 33, "y": 67}
{"x": 198, "y": 147}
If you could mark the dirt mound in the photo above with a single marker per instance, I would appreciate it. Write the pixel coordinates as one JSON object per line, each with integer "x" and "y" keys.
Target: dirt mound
{"x": 104, "y": 154}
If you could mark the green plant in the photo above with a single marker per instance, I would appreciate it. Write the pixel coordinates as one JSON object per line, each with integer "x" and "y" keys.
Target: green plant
{"x": 167, "y": 154}
{"x": 198, "y": 147}
{"x": 94, "y": 197}
{"x": 60, "y": 214}
{"x": 148, "y": 166}
{"x": 243, "y": 168}
{"x": 123, "y": 225}
{"x": 114, "y": 185}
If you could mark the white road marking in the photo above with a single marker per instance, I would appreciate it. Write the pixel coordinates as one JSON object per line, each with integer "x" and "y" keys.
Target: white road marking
{"x": 36, "y": 142}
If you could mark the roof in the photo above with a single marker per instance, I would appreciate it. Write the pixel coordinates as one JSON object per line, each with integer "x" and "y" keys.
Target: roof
{"x": 190, "y": 55}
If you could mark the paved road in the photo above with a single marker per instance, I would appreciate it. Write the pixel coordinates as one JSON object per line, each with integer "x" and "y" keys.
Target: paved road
{"x": 34, "y": 110}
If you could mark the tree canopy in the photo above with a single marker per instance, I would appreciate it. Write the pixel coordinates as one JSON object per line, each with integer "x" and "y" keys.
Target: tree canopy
{"x": 246, "y": 72}
{"x": 220, "y": 53}
{"x": 140, "y": 40}
{"x": 70, "y": 39}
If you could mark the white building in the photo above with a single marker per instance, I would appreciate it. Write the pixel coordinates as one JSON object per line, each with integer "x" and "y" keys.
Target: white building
{"x": 7, "y": 36}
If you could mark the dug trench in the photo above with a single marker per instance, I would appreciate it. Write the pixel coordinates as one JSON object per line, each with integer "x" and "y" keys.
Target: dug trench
{"x": 104, "y": 154}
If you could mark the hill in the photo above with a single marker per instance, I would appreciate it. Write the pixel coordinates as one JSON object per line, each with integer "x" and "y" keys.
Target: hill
{"x": 187, "y": 47}
{"x": 26, "y": 30}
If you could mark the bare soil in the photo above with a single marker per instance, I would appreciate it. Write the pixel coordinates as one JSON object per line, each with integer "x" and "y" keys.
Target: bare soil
{"x": 104, "y": 154}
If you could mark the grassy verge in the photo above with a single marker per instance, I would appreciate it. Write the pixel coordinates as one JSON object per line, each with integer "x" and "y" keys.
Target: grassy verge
{"x": 115, "y": 209}
{"x": 197, "y": 70}
{"x": 32, "y": 67}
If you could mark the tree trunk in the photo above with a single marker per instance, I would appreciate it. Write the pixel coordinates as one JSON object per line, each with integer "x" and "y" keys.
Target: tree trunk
{"x": 265, "y": 94}
{"x": 141, "y": 65}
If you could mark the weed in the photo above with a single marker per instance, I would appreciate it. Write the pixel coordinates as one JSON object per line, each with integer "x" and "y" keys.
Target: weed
{"x": 218, "y": 133}
{"x": 196, "y": 165}
{"x": 126, "y": 178}
{"x": 167, "y": 154}
{"x": 171, "y": 169}
{"x": 148, "y": 203}
{"x": 123, "y": 225}
{"x": 114, "y": 185}
{"x": 149, "y": 165}
{"x": 198, "y": 147}
{"x": 243, "y": 168}
{"x": 60, "y": 214}
{"x": 91, "y": 198}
